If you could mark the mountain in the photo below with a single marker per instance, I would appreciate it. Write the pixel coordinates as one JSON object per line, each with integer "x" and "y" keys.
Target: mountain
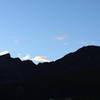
{"x": 75, "y": 75}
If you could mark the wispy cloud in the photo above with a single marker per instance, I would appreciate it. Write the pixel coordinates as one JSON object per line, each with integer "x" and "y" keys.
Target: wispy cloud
{"x": 88, "y": 42}
{"x": 60, "y": 38}
{"x": 27, "y": 57}
{"x": 84, "y": 42}
{"x": 40, "y": 58}
{"x": 4, "y": 52}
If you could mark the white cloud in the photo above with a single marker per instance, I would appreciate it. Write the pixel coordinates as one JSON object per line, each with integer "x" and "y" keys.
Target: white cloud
{"x": 37, "y": 58}
{"x": 60, "y": 38}
{"x": 40, "y": 58}
{"x": 88, "y": 42}
{"x": 84, "y": 42}
{"x": 27, "y": 57}
{"x": 4, "y": 53}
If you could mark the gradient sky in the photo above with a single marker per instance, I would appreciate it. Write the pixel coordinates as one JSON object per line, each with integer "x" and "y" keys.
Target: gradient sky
{"x": 48, "y": 28}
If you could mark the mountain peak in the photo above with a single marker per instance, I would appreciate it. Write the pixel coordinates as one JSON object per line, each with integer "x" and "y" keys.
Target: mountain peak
{"x": 89, "y": 48}
{"x": 6, "y": 56}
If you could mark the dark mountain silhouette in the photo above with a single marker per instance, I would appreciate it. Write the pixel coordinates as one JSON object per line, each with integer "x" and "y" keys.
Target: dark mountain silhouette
{"x": 76, "y": 75}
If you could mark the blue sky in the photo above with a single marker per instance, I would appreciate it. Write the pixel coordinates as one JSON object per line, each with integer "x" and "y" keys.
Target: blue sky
{"x": 48, "y": 28}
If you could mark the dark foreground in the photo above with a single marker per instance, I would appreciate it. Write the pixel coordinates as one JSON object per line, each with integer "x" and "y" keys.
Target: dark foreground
{"x": 76, "y": 76}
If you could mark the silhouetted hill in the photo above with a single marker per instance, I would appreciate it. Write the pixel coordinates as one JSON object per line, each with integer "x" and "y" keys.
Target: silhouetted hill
{"x": 75, "y": 75}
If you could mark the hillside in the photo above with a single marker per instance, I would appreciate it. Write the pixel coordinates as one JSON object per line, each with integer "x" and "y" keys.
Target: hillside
{"x": 76, "y": 74}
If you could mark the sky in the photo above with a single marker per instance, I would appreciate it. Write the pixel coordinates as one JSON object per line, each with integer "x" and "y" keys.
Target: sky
{"x": 48, "y": 29}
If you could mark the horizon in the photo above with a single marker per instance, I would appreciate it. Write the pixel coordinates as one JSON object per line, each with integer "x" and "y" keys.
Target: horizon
{"x": 39, "y": 59}
{"x": 47, "y": 30}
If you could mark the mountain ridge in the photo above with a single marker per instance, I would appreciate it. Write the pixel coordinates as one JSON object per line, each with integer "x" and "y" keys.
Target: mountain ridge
{"x": 79, "y": 70}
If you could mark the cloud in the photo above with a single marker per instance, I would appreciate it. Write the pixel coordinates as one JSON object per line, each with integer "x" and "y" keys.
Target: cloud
{"x": 60, "y": 38}
{"x": 4, "y": 52}
{"x": 37, "y": 58}
{"x": 84, "y": 42}
{"x": 27, "y": 57}
{"x": 40, "y": 58}
{"x": 87, "y": 43}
